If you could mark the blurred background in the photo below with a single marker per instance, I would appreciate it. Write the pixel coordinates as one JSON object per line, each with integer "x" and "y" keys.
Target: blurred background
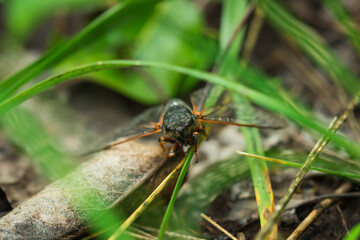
{"x": 305, "y": 53}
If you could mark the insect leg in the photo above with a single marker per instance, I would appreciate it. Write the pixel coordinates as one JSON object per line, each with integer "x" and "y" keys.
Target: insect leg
{"x": 196, "y": 138}
{"x": 172, "y": 150}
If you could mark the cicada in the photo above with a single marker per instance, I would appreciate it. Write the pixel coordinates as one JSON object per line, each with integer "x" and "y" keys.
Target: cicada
{"x": 181, "y": 124}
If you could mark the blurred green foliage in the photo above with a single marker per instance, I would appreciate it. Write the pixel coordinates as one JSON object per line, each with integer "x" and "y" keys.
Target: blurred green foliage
{"x": 24, "y": 129}
{"x": 23, "y": 17}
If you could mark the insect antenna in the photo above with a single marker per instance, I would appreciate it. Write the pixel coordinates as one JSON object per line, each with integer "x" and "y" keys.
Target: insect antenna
{"x": 237, "y": 124}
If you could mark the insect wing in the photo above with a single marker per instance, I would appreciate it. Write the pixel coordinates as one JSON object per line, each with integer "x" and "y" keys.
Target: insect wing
{"x": 152, "y": 114}
{"x": 244, "y": 114}
{"x": 141, "y": 127}
{"x": 225, "y": 112}
{"x": 126, "y": 135}
{"x": 129, "y": 133}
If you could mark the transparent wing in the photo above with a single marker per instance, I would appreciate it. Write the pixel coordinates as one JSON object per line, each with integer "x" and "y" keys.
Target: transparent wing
{"x": 140, "y": 127}
{"x": 126, "y": 136}
{"x": 152, "y": 114}
{"x": 226, "y": 112}
{"x": 244, "y": 115}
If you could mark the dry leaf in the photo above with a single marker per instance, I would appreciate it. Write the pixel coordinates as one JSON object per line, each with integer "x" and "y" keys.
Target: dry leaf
{"x": 110, "y": 177}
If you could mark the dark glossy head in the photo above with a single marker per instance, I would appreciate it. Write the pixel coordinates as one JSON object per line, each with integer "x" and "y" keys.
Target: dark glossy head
{"x": 179, "y": 122}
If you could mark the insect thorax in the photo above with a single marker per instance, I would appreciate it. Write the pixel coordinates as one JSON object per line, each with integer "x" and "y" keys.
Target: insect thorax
{"x": 179, "y": 122}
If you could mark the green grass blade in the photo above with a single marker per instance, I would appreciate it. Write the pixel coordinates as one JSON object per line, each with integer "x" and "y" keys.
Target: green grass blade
{"x": 255, "y": 96}
{"x": 347, "y": 25}
{"x": 175, "y": 192}
{"x": 258, "y": 169}
{"x": 354, "y": 233}
{"x": 311, "y": 43}
{"x": 232, "y": 15}
{"x": 332, "y": 166}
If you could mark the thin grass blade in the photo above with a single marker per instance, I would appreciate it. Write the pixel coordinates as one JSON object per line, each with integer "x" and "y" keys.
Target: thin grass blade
{"x": 311, "y": 43}
{"x": 321, "y": 165}
{"x": 347, "y": 25}
{"x": 171, "y": 204}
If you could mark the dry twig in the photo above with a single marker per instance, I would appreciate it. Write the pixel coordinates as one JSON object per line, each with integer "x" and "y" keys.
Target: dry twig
{"x": 212, "y": 222}
{"x": 319, "y": 208}
{"x": 168, "y": 233}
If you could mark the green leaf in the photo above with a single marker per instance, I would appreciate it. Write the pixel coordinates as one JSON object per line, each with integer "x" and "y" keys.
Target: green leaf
{"x": 89, "y": 34}
{"x": 22, "y": 17}
{"x": 173, "y": 35}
